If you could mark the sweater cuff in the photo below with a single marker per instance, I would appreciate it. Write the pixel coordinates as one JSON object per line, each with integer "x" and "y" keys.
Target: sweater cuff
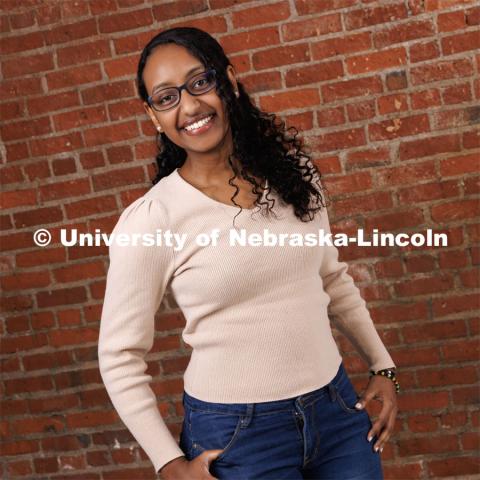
{"x": 166, "y": 453}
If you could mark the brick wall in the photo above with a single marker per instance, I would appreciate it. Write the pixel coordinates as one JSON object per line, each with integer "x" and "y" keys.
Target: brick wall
{"x": 385, "y": 93}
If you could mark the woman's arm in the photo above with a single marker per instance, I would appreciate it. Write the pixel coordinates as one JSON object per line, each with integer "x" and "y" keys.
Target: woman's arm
{"x": 136, "y": 282}
{"x": 351, "y": 315}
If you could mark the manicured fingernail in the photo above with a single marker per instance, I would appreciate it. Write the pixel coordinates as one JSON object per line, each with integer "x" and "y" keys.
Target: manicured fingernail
{"x": 381, "y": 450}
{"x": 376, "y": 448}
{"x": 370, "y": 438}
{"x": 358, "y": 405}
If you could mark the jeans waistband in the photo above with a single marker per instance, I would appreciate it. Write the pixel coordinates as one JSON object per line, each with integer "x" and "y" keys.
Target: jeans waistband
{"x": 265, "y": 407}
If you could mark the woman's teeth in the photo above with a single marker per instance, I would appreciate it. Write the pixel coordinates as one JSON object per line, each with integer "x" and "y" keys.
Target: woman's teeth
{"x": 199, "y": 124}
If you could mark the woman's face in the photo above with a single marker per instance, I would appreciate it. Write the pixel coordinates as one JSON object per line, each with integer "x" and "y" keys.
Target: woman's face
{"x": 169, "y": 65}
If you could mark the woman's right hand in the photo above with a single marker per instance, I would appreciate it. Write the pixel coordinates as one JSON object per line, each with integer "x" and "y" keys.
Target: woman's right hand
{"x": 196, "y": 469}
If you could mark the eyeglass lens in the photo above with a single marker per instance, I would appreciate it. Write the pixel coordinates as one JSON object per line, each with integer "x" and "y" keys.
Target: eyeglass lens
{"x": 197, "y": 85}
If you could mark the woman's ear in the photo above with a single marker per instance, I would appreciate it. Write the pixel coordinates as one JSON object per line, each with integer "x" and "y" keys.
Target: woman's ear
{"x": 152, "y": 116}
{"x": 233, "y": 80}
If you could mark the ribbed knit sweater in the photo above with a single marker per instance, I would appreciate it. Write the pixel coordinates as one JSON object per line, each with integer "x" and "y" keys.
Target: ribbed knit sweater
{"x": 257, "y": 317}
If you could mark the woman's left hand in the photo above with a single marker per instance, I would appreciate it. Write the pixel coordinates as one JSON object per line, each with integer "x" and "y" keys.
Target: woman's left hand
{"x": 383, "y": 389}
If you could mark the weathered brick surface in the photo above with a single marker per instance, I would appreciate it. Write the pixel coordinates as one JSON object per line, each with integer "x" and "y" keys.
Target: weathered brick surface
{"x": 386, "y": 94}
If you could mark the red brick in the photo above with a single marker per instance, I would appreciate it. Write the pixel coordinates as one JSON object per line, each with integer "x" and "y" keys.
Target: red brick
{"x": 290, "y": 100}
{"x": 361, "y": 110}
{"x": 18, "y": 198}
{"x": 319, "y": 72}
{"x": 450, "y": 21}
{"x": 91, "y": 206}
{"x": 313, "y": 27}
{"x": 368, "y": 158}
{"x": 419, "y": 52}
{"x": 344, "y": 44}
{"x": 456, "y": 94}
{"x": 178, "y": 9}
{"x": 392, "y": 103}
{"x": 56, "y": 144}
{"x": 278, "y": 56}
{"x": 21, "y": 19}
{"x": 403, "y": 32}
{"x": 269, "y": 13}
{"x": 21, "y": 43}
{"x": 110, "y": 133}
{"x": 261, "y": 37}
{"x": 82, "y": 53}
{"x": 460, "y": 165}
{"x": 363, "y": 204}
{"x": 427, "y": 192}
{"x": 120, "y": 67}
{"x": 454, "y": 211}
{"x": 426, "y": 285}
{"x": 441, "y": 70}
{"x": 399, "y": 127}
{"x": 38, "y": 63}
{"x": 339, "y": 139}
{"x": 75, "y": 119}
{"x": 306, "y": 7}
{"x": 108, "y": 91}
{"x": 429, "y": 146}
{"x": 25, "y": 129}
{"x": 126, "y": 21}
{"x": 351, "y": 88}
{"x": 73, "y": 76}
{"x": 460, "y": 43}
{"x": 73, "y": 31}
{"x": 377, "y": 60}
{"x": 395, "y": 221}
{"x": 49, "y": 103}
{"x": 366, "y": 17}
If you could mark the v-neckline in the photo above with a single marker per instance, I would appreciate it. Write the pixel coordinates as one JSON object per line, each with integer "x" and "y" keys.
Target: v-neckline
{"x": 217, "y": 202}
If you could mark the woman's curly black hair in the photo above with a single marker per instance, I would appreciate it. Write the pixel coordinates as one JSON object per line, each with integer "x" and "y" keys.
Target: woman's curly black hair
{"x": 262, "y": 146}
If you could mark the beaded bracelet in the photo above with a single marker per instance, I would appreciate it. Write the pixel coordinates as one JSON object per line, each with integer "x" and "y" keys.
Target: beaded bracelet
{"x": 389, "y": 373}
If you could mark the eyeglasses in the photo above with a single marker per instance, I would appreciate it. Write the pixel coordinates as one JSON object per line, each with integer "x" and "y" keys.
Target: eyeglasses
{"x": 170, "y": 97}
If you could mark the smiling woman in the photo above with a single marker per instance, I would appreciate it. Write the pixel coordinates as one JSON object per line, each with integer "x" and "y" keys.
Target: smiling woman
{"x": 183, "y": 79}
{"x": 265, "y": 377}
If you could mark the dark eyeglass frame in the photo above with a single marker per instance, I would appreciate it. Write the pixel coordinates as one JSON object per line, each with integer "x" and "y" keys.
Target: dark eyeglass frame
{"x": 179, "y": 89}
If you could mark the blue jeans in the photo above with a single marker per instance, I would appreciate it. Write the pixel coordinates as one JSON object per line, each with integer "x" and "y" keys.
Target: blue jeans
{"x": 317, "y": 435}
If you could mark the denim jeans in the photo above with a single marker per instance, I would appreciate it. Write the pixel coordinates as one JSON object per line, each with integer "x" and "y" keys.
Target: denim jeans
{"x": 317, "y": 435}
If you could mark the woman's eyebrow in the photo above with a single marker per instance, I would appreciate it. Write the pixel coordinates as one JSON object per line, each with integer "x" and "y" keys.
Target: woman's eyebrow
{"x": 194, "y": 69}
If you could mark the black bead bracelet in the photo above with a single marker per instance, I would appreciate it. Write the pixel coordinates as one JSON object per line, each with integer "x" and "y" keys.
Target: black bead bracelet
{"x": 389, "y": 373}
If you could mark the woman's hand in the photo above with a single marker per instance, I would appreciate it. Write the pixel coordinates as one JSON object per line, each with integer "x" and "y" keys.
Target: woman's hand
{"x": 196, "y": 469}
{"x": 383, "y": 389}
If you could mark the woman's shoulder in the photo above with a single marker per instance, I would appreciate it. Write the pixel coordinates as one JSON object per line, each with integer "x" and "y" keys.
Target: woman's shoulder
{"x": 148, "y": 212}
{"x": 145, "y": 214}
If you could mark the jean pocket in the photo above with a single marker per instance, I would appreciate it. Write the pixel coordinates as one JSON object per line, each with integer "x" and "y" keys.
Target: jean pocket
{"x": 211, "y": 430}
{"x": 347, "y": 397}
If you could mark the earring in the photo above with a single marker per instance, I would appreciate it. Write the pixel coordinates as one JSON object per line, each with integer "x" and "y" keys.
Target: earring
{"x": 237, "y": 94}
{"x": 159, "y": 129}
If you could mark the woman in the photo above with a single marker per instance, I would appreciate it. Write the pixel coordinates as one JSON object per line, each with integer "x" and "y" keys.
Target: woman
{"x": 266, "y": 395}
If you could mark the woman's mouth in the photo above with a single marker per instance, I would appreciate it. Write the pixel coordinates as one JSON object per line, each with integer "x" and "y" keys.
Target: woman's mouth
{"x": 199, "y": 127}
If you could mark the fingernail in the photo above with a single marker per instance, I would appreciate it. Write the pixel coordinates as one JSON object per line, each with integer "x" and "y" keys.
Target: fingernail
{"x": 370, "y": 438}
{"x": 381, "y": 450}
{"x": 376, "y": 448}
{"x": 358, "y": 405}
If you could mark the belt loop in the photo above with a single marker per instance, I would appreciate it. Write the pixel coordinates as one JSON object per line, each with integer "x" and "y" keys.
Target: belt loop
{"x": 248, "y": 415}
{"x": 332, "y": 391}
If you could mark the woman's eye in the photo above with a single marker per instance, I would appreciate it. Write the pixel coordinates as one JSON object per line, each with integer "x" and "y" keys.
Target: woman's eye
{"x": 201, "y": 80}
{"x": 165, "y": 99}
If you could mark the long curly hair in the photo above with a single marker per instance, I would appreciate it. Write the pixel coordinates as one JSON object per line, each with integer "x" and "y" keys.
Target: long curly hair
{"x": 261, "y": 144}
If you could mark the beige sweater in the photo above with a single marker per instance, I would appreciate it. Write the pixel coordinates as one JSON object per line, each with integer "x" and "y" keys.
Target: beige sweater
{"x": 256, "y": 315}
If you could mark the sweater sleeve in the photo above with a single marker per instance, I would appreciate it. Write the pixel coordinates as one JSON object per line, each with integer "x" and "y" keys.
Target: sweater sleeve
{"x": 136, "y": 281}
{"x": 349, "y": 310}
